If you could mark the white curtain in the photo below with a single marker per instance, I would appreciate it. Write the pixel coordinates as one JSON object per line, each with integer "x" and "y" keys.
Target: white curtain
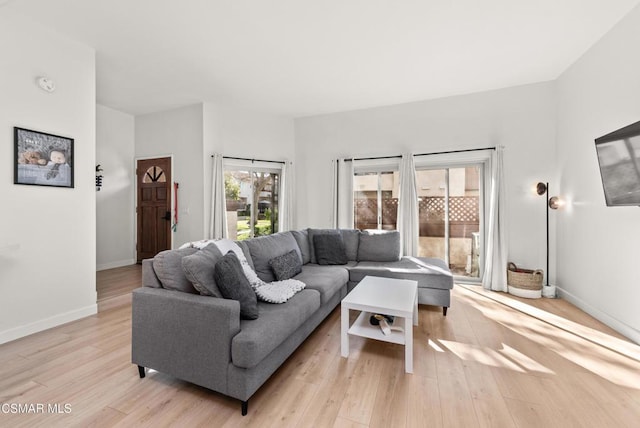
{"x": 218, "y": 224}
{"x": 408, "y": 207}
{"x": 343, "y": 193}
{"x": 495, "y": 270}
{"x": 285, "y": 208}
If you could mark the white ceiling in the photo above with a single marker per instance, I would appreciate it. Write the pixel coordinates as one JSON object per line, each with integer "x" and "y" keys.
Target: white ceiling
{"x": 306, "y": 57}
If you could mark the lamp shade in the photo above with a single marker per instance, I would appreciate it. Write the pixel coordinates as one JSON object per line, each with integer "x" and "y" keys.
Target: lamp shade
{"x": 555, "y": 202}
{"x": 541, "y": 188}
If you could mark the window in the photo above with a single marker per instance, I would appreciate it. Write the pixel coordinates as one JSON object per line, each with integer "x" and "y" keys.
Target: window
{"x": 451, "y": 207}
{"x": 375, "y": 201}
{"x": 375, "y": 194}
{"x": 252, "y": 201}
{"x": 154, "y": 174}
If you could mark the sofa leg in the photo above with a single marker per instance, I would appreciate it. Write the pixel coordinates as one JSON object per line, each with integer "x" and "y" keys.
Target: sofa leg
{"x": 245, "y": 407}
{"x": 141, "y": 372}
{"x": 444, "y": 311}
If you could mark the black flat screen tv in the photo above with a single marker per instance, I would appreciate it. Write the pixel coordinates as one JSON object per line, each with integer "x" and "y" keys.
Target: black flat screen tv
{"x": 619, "y": 160}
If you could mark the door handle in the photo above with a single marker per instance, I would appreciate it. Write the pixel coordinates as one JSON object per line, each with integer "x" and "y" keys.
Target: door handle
{"x": 167, "y": 215}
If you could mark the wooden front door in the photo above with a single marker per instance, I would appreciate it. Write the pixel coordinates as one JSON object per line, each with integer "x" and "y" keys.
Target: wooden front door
{"x": 154, "y": 207}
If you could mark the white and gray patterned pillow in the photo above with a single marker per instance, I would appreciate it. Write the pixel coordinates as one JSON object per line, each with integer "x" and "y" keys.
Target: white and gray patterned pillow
{"x": 279, "y": 291}
{"x": 286, "y": 266}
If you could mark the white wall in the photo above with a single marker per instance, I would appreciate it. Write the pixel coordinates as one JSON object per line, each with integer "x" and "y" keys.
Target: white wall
{"x": 178, "y": 132}
{"x": 598, "y": 248}
{"x": 192, "y": 134}
{"x": 246, "y": 134}
{"x": 48, "y": 238}
{"x": 520, "y": 118}
{"x": 115, "y": 238}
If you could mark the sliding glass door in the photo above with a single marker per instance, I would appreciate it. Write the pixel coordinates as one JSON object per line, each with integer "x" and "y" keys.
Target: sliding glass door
{"x": 450, "y": 216}
{"x": 252, "y": 202}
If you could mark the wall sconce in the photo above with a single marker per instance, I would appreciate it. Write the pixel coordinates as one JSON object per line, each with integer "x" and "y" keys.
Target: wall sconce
{"x": 554, "y": 203}
{"x": 98, "y": 178}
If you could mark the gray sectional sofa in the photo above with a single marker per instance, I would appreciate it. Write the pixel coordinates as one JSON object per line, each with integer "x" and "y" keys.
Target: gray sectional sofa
{"x": 203, "y": 340}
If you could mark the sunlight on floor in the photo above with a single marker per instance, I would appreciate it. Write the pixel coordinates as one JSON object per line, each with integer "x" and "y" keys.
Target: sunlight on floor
{"x": 615, "y": 344}
{"x": 615, "y": 360}
{"x": 507, "y": 357}
{"x": 435, "y": 346}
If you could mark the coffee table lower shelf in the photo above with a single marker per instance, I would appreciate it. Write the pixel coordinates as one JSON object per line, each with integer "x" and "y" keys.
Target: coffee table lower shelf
{"x": 363, "y": 328}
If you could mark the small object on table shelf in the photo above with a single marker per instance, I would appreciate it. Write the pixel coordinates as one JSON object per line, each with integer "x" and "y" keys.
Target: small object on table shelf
{"x": 374, "y": 319}
{"x": 384, "y": 325}
{"x": 385, "y": 322}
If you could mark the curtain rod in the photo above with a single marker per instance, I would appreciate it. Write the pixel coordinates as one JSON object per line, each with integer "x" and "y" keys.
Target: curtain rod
{"x": 456, "y": 151}
{"x": 252, "y": 160}
{"x": 423, "y": 154}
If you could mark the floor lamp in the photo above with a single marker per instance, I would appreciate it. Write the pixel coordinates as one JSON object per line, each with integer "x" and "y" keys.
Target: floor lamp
{"x": 554, "y": 203}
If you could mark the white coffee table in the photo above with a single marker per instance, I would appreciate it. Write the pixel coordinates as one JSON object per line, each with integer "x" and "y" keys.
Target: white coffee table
{"x": 375, "y": 295}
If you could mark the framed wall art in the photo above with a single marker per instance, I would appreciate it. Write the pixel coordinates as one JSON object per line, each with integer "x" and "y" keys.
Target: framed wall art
{"x": 42, "y": 159}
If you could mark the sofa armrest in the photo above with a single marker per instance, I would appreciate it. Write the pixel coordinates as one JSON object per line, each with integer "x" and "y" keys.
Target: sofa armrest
{"x": 184, "y": 335}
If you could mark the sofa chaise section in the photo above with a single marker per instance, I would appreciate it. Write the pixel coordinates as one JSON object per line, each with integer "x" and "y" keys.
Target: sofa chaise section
{"x": 434, "y": 278}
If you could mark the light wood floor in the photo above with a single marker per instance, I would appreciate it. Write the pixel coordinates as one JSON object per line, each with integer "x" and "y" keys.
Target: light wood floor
{"x": 114, "y": 286}
{"x": 484, "y": 365}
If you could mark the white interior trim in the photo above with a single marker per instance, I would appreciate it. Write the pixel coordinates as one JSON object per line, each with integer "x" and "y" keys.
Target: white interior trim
{"x": 376, "y": 165}
{"x": 116, "y": 264}
{"x": 454, "y": 159}
{"x": 241, "y": 165}
{"x": 624, "y": 329}
{"x": 47, "y": 323}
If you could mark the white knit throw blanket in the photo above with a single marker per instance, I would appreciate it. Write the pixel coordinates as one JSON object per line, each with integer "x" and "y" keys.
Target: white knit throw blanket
{"x": 272, "y": 292}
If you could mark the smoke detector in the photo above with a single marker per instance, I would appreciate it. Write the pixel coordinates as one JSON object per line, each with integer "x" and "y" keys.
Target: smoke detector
{"x": 46, "y": 84}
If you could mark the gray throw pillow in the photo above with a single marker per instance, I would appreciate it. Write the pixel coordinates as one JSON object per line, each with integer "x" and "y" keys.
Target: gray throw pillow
{"x": 199, "y": 269}
{"x": 234, "y": 285}
{"x": 379, "y": 246}
{"x": 329, "y": 249}
{"x": 302, "y": 238}
{"x": 286, "y": 266}
{"x": 351, "y": 238}
{"x": 168, "y": 268}
{"x": 264, "y": 248}
{"x": 312, "y": 234}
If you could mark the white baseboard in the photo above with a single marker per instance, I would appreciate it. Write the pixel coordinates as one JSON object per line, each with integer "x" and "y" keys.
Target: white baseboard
{"x": 622, "y": 328}
{"x": 47, "y": 323}
{"x": 117, "y": 264}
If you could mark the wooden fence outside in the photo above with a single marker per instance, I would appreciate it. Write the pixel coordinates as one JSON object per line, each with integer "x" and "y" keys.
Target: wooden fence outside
{"x": 463, "y": 215}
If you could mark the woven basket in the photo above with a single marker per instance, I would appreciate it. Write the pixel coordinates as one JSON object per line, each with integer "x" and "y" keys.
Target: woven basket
{"x": 525, "y": 279}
